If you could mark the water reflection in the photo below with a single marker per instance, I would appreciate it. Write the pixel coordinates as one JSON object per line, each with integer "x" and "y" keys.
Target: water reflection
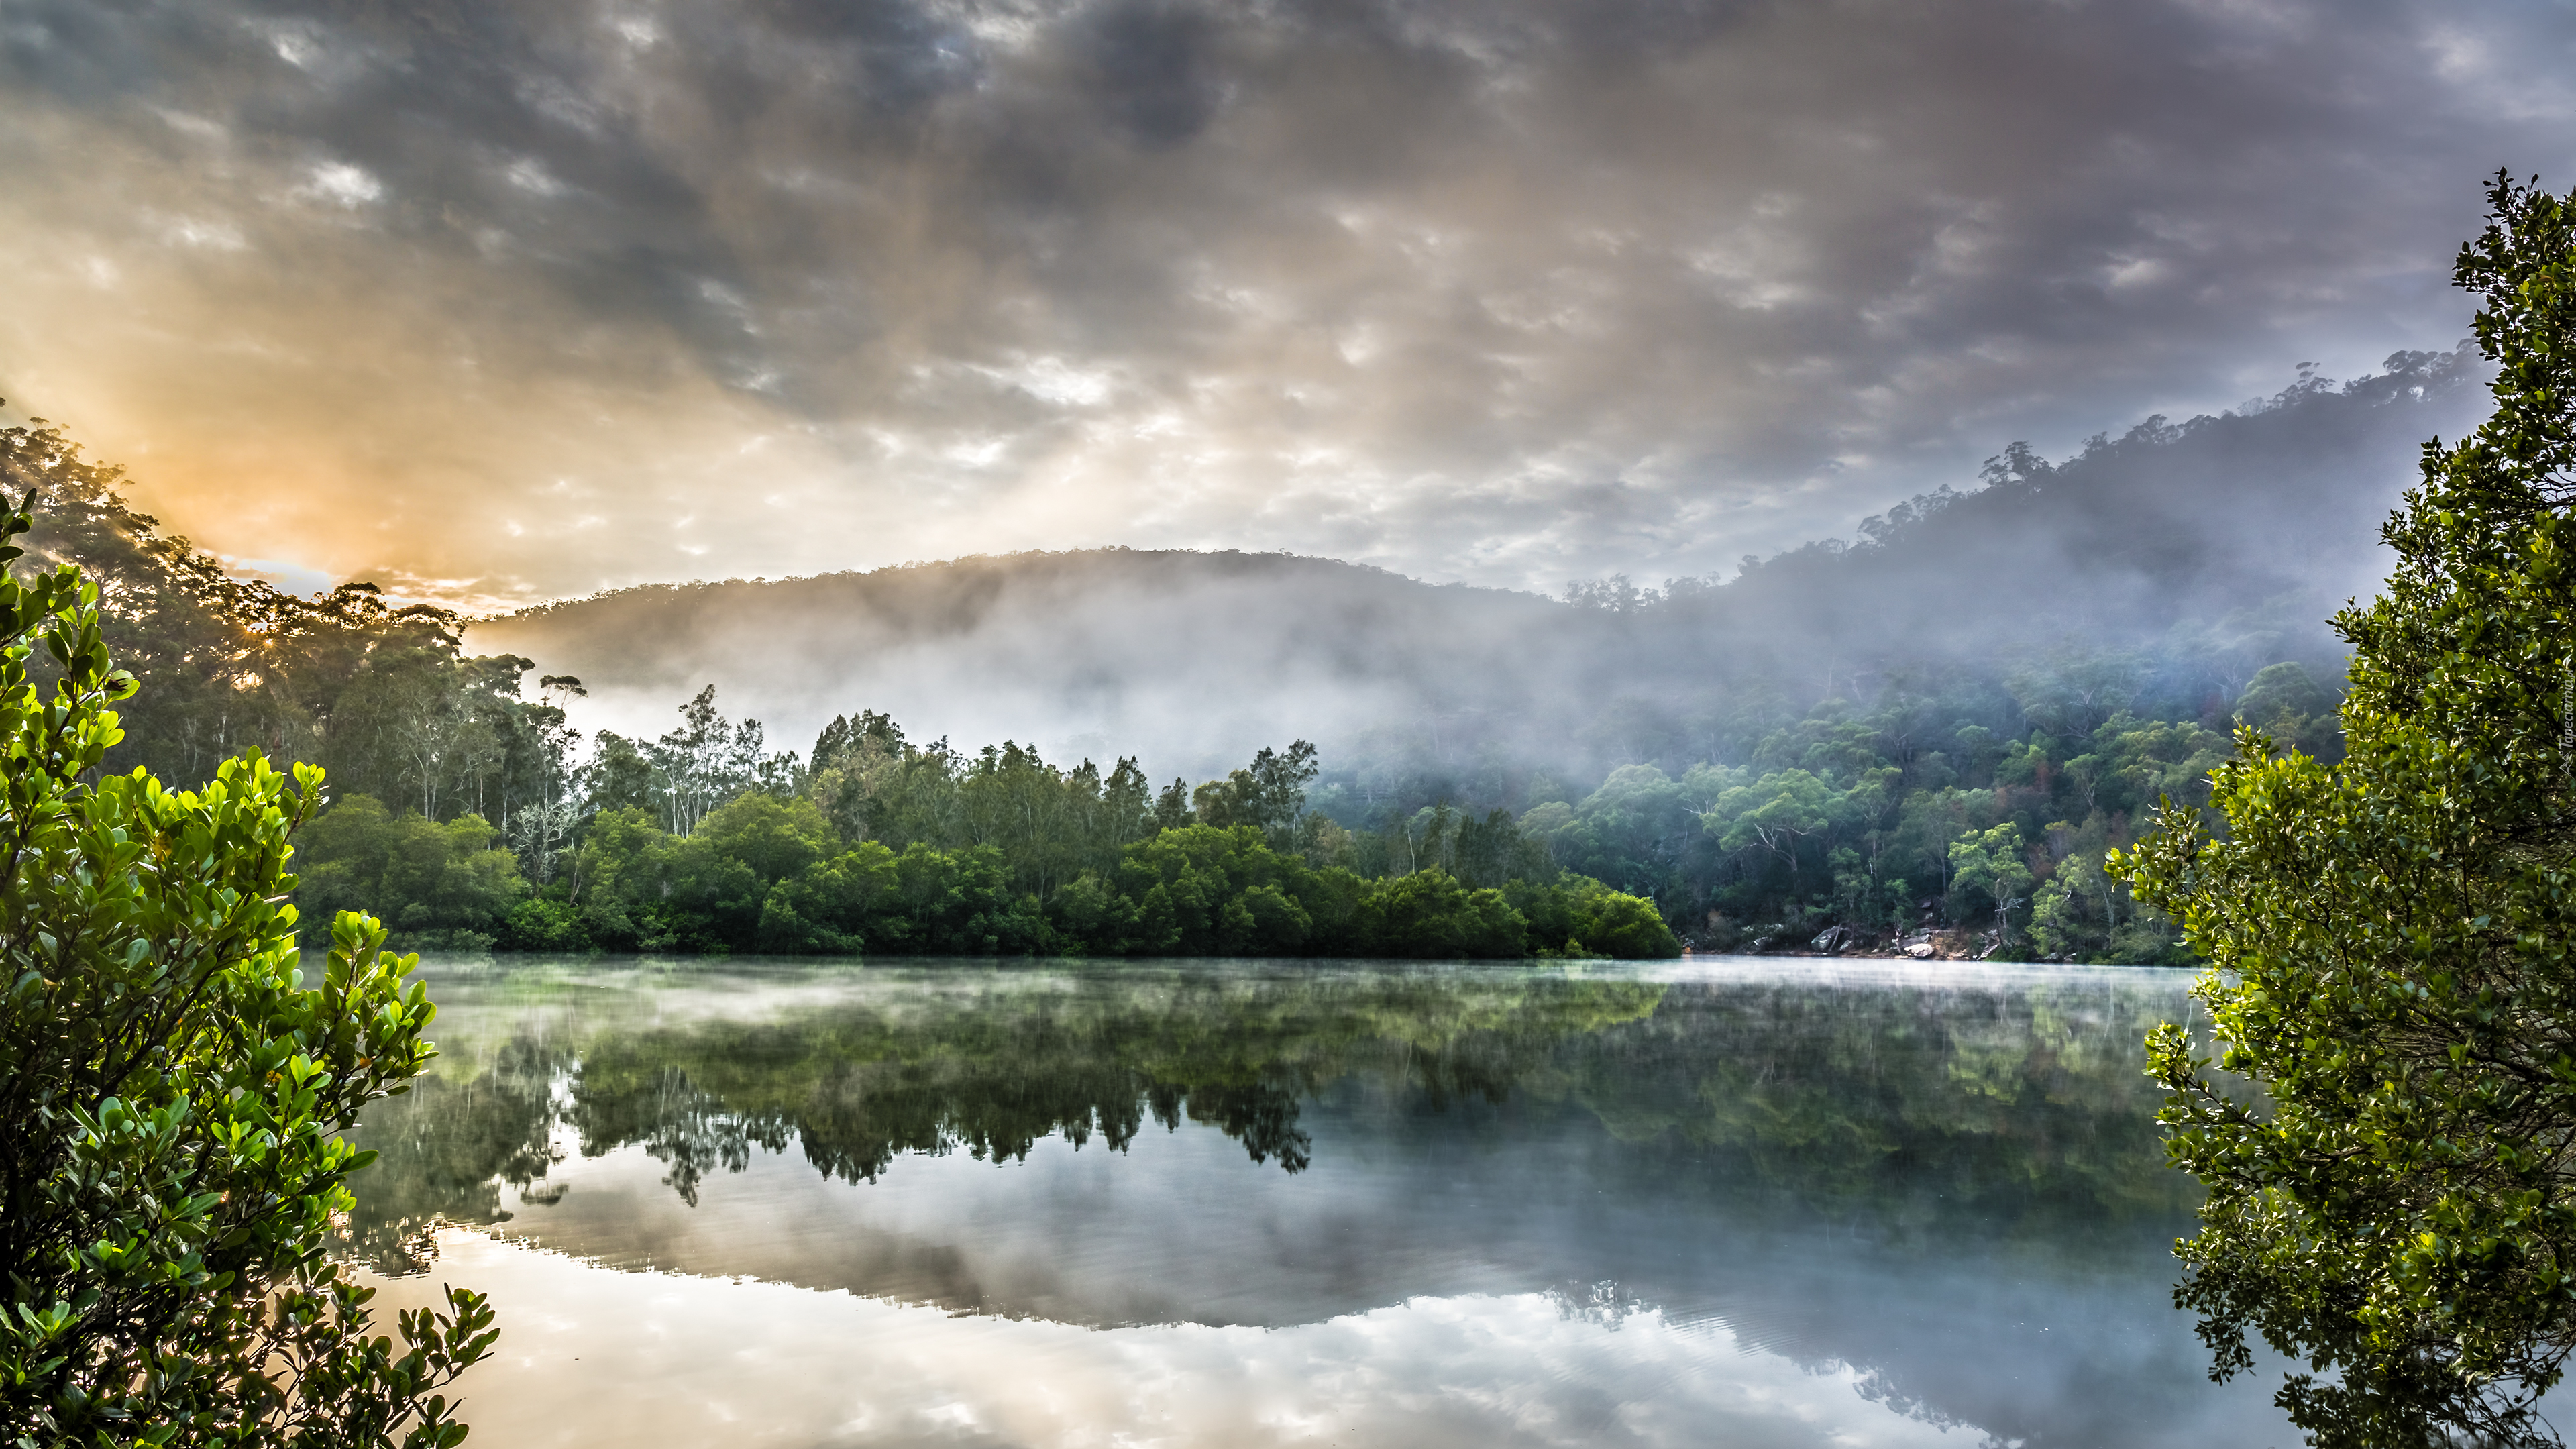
{"x": 1949, "y": 1183}
{"x": 927, "y": 1062}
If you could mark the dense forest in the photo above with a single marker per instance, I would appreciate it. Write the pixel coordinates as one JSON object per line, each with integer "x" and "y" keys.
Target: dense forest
{"x": 1893, "y": 788}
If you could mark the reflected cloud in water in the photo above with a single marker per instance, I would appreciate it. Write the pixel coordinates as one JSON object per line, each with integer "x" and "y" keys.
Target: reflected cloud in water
{"x": 703, "y": 1361}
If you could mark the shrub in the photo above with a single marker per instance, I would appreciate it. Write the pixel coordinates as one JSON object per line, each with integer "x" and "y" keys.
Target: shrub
{"x": 172, "y": 1093}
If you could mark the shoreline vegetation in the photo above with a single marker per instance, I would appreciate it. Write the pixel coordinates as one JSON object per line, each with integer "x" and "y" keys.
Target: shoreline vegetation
{"x": 880, "y": 848}
{"x": 2389, "y": 941}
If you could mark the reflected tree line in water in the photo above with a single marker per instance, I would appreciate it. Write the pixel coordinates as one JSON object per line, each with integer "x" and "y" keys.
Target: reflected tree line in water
{"x": 2020, "y": 1110}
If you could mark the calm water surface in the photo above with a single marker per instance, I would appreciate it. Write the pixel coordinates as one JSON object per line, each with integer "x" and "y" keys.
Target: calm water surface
{"x": 1742, "y": 1202}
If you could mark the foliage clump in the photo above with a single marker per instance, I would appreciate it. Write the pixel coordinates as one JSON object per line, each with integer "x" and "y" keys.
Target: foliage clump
{"x": 172, "y": 1092}
{"x": 2393, "y": 943}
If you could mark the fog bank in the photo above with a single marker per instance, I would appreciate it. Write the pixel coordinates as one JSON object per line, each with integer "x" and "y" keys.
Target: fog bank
{"x": 2224, "y": 542}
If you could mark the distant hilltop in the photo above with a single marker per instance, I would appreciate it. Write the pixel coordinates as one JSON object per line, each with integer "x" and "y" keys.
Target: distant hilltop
{"x": 1186, "y": 652}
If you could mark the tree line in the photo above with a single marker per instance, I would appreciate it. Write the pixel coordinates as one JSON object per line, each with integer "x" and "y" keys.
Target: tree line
{"x": 1847, "y": 827}
{"x": 1960, "y": 803}
{"x": 381, "y": 696}
{"x": 701, "y": 841}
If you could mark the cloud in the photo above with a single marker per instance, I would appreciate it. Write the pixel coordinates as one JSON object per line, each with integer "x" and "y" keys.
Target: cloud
{"x": 674, "y": 1359}
{"x": 343, "y": 184}
{"x": 1509, "y": 292}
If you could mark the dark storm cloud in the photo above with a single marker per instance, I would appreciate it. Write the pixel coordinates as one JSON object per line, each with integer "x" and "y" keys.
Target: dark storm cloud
{"x": 507, "y": 300}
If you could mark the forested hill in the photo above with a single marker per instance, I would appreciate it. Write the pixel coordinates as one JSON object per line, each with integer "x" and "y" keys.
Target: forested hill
{"x": 2210, "y": 548}
{"x": 2243, "y": 529}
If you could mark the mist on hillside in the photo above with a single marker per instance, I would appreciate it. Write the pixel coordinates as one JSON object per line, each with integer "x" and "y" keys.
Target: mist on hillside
{"x": 2225, "y": 541}
{"x": 1189, "y": 660}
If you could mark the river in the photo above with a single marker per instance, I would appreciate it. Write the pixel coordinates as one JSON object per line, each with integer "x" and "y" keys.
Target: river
{"x": 1748, "y": 1202}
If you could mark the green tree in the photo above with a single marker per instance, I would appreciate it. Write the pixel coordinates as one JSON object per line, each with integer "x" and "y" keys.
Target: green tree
{"x": 1989, "y": 865}
{"x": 1582, "y": 917}
{"x": 618, "y": 777}
{"x": 445, "y": 885}
{"x": 171, "y": 1093}
{"x": 1270, "y": 795}
{"x": 1428, "y": 915}
{"x": 2285, "y": 702}
{"x": 2393, "y": 944}
{"x": 1204, "y": 891}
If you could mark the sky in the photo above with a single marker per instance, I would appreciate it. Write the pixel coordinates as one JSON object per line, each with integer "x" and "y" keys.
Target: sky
{"x": 493, "y": 303}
